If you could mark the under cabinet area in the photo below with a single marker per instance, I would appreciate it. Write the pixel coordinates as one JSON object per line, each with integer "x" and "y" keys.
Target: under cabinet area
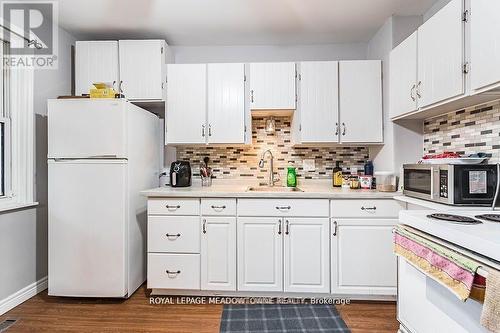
{"x": 276, "y": 246}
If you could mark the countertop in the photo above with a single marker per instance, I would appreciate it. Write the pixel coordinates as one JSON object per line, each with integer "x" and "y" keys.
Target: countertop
{"x": 434, "y": 205}
{"x": 238, "y": 189}
{"x": 483, "y": 239}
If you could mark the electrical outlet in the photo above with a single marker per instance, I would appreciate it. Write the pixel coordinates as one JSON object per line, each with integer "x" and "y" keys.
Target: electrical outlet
{"x": 309, "y": 165}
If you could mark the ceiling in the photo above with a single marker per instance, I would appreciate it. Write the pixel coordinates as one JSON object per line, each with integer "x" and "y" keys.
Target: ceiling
{"x": 234, "y": 22}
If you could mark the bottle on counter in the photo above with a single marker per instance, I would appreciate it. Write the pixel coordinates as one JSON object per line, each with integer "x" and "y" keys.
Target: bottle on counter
{"x": 368, "y": 168}
{"x": 291, "y": 176}
{"x": 337, "y": 175}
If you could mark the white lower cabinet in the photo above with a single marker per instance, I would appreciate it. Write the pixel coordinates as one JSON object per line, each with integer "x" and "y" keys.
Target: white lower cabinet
{"x": 218, "y": 253}
{"x": 307, "y": 266}
{"x": 260, "y": 254}
{"x": 174, "y": 271}
{"x": 363, "y": 262}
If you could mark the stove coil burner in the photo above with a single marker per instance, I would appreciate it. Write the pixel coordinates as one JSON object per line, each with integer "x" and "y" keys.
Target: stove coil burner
{"x": 489, "y": 217}
{"x": 458, "y": 219}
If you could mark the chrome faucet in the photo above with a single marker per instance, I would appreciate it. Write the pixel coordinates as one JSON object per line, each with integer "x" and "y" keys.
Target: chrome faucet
{"x": 271, "y": 166}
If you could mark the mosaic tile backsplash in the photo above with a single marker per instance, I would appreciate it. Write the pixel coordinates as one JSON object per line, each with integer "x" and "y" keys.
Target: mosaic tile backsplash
{"x": 241, "y": 161}
{"x": 467, "y": 131}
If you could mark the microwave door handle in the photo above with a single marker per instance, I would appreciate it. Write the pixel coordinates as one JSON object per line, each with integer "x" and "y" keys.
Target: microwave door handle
{"x": 494, "y": 204}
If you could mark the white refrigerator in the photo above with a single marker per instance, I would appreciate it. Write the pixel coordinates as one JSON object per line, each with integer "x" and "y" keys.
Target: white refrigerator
{"x": 101, "y": 154}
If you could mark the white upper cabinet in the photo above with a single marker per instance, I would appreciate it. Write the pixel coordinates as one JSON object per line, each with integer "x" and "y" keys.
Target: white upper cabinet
{"x": 403, "y": 77}
{"x": 185, "y": 118}
{"x": 272, "y": 86}
{"x": 485, "y": 44}
{"x": 142, "y": 69}
{"x": 95, "y": 61}
{"x": 360, "y": 101}
{"x": 441, "y": 56}
{"x": 307, "y": 261}
{"x": 226, "y": 103}
{"x": 318, "y": 103}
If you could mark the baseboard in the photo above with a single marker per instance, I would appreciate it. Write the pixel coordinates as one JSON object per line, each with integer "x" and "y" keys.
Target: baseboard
{"x": 22, "y": 295}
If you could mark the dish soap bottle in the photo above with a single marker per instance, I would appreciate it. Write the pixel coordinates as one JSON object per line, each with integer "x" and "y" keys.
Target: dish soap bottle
{"x": 291, "y": 176}
{"x": 337, "y": 175}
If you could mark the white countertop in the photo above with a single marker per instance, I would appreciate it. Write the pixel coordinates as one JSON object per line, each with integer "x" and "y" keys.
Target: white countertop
{"x": 434, "y": 205}
{"x": 481, "y": 238}
{"x": 233, "y": 189}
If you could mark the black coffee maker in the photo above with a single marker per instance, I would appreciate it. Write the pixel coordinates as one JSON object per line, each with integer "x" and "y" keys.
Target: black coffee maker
{"x": 180, "y": 174}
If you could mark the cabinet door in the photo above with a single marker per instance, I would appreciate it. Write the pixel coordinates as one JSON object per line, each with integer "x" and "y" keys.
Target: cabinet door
{"x": 272, "y": 86}
{"x": 403, "y": 77}
{"x": 226, "y": 103}
{"x": 319, "y": 101}
{"x": 441, "y": 56}
{"x": 260, "y": 250}
{"x": 362, "y": 258}
{"x": 360, "y": 96}
{"x": 307, "y": 266}
{"x": 142, "y": 69}
{"x": 185, "y": 116}
{"x": 95, "y": 61}
{"x": 485, "y": 44}
{"x": 218, "y": 253}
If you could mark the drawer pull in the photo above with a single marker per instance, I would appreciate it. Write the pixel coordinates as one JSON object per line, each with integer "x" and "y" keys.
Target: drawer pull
{"x": 170, "y": 236}
{"x": 172, "y": 208}
{"x": 369, "y": 208}
{"x": 172, "y": 274}
{"x": 218, "y": 208}
{"x": 283, "y": 207}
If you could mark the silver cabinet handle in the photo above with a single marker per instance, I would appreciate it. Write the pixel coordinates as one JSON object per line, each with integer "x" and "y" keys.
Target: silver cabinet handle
{"x": 336, "y": 128}
{"x": 283, "y": 207}
{"x": 335, "y": 226}
{"x": 287, "y": 227}
{"x": 203, "y": 130}
{"x": 279, "y": 226}
{"x": 172, "y": 208}
{"x": 369, "y": 208}
{"x": 209, "y": 130}
{"x": 218, "y": 208}
{"x": 204, "y": 227}
{"x": 114, "y": 82}
{"x": 251, "y": 96}
{"x": 120, "y": 86}
{"x": 412, "y": 91}
{"x": 172, "y": 274}
{"x": 343, "y": 128}
{"x": 419, "y": 95}
{"x": 173, "y": 236}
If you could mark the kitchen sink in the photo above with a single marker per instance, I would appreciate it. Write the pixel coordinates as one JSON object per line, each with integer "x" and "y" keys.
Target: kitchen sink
{"x": 273, "y": 189}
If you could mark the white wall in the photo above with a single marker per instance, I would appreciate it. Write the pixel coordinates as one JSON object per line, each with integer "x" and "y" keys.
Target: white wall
{"x": 262, "y": 53}
{"x": 23, "y": 233}
{"x": 435, "y": 8}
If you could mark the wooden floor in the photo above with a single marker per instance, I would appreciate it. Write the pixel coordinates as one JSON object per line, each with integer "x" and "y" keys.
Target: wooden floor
{"x": 43, "y": 313}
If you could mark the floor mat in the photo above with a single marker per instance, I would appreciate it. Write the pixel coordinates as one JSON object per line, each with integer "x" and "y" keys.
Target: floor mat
{"x": 281, "y": 318}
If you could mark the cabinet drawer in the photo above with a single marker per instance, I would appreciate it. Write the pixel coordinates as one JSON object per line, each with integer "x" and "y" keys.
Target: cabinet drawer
{"x": 220, "y": 207}
{"x": 174, "y": 234}
{"x": 172, "y": 206}
{"x": 174, "y": 271}
{"x": 283, "y": 207}
{"x": 366, "y": 208}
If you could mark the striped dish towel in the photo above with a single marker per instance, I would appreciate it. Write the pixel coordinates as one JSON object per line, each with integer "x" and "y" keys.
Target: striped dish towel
{"x": 449, "y": 268}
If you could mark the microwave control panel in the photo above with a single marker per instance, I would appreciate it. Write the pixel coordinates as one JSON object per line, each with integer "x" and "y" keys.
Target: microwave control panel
{"x": 443, "y": 183}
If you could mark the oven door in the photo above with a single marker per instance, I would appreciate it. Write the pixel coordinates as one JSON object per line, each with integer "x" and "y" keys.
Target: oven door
{"x": 474, "y": 184}
{"x": 419, "y": 181}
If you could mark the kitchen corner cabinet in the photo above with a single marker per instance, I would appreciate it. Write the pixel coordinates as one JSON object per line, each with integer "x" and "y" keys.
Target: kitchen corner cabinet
{"x": 360, "y": 101}
{"x": 209, "y": 100}
{"x": 95, "y": 61}
{"x": 441, "y": 56}
{"x": 260, "y": 254}
{"x": 317, "y": 115}
{"x": 485, "y": 45}
{"x": 218, "y": 253}
{"x": 403, "y": 77}
{"x": 272, "y": 86}
{"x": 142, "y": 69}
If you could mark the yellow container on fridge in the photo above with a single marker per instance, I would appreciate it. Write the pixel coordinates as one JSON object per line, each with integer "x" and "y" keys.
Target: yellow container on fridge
{"x": 102, "y": 90}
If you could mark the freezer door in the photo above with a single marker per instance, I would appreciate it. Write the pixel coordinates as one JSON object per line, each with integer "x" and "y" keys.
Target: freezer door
{"x": 87, "y": 228}
{"x": 83, "y": 128}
